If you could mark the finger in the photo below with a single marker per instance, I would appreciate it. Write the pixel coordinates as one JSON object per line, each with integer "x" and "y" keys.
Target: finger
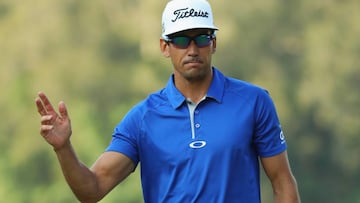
{"x": 63, "y": 111}
{"x": 44, "y": 130}
{"x": 48, "y": 107}
{"x": 46, "y": 120}
{"x": 40, "y": 107}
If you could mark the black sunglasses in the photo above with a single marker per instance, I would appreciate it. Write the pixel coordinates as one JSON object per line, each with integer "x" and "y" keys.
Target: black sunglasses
{"x": 183, "y": 42}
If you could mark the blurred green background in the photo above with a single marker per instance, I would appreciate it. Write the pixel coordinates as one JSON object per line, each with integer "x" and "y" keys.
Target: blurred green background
{"x": 102, "y": 57}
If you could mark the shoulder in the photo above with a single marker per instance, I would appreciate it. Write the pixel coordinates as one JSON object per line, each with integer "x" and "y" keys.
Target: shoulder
{"x": 244, "y": 89}
{"x": 155, "y": 100}
{"x": 136, "y": 115}
{"x": 152, "y": 102}
{"x": 233, "y": 88}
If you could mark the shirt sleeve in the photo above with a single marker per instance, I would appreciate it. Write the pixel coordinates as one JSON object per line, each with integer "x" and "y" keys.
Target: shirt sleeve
{"x": 269, "y": 138}
{"x": 124, "y": 138}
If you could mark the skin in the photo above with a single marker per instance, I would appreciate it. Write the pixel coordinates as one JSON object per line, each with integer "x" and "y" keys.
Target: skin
{"x": 193, "y": 75}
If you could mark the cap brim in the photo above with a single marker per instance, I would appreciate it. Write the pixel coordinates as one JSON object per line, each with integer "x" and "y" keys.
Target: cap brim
{"x": 173, "y": 31}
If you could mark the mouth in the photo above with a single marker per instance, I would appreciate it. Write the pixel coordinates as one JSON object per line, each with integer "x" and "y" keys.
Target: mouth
{"x": 194, "y": 61}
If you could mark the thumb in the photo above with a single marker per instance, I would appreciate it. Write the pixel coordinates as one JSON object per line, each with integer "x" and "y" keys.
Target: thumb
{"x": 62, "y": 110}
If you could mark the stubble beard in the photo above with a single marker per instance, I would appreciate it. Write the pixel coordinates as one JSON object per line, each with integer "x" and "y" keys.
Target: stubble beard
{"x": 196, "y": 74}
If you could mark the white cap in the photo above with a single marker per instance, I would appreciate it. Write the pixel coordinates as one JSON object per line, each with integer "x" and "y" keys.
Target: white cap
{"x": 182, "y": 15}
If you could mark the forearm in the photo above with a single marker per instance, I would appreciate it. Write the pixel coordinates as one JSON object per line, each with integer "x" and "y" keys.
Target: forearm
{"x": 287, "y": 193}
{"x": 80, "y": 178}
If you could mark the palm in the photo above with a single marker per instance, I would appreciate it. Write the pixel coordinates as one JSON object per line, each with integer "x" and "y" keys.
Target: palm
{"x": 59, "y": 134}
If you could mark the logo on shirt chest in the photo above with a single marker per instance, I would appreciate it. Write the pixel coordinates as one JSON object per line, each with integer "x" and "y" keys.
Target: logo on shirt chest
{"x": 197, "y": 144}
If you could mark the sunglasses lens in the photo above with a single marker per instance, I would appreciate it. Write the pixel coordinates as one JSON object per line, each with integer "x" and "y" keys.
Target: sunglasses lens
{"x": 202, "y": 40}
{"x": 181, "y": 42}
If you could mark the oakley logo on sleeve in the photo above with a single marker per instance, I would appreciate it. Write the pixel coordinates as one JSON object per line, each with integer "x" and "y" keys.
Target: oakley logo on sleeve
{"x": 282, "y": 137}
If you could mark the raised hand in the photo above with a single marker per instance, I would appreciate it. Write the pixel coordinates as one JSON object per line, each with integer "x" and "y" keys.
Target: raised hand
{"x": 55, "y": 128}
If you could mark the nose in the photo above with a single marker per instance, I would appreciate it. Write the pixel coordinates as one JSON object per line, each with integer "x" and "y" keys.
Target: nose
{"x": 193, "y": 50}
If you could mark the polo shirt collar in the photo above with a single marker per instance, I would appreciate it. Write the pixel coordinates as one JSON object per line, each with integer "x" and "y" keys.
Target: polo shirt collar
{"x": 216, "y": 89}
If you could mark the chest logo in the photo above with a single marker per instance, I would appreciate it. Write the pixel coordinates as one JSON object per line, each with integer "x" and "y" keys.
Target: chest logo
{"x": 197, "y": 144}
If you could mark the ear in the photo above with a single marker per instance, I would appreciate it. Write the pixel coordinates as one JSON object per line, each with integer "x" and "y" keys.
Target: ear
{"x": 164, "y": 48}
{"x": 214, "y": 45}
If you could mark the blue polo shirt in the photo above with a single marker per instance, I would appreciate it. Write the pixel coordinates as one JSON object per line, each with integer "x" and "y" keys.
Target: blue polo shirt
{"x": 204, "y": 153}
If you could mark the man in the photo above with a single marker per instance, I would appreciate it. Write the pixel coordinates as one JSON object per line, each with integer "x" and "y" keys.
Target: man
{"x": 198, "y": 140}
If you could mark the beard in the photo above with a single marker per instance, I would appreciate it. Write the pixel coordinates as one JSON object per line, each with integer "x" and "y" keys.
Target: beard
{"x": 194, "y": 69}
{"x": 195, "y": 74}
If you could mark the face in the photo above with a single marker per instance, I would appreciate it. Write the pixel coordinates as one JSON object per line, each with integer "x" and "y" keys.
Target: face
{"x": 192, "y": 63}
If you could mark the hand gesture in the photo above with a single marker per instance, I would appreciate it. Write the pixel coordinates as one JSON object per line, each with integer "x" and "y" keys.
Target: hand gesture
{"x": 55, "y": 128}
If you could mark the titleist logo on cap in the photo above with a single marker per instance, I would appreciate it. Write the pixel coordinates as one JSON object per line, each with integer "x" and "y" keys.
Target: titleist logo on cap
{"x": 186, "y": 13}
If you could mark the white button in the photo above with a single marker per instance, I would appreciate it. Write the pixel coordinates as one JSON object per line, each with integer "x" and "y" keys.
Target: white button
{"x": 197, "y": 125}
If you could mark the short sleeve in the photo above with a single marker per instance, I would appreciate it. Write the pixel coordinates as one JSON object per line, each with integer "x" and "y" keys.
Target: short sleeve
{"x": 125, "y": 136}
{"x": 269, "y": 138}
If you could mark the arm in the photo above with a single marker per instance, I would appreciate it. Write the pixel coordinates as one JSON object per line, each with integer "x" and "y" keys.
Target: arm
{"x": 284, "y": 185}
{"x": 89, "y": 185}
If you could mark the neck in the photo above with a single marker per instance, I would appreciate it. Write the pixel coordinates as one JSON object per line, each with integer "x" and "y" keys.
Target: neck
{"x": 194, "y": 90}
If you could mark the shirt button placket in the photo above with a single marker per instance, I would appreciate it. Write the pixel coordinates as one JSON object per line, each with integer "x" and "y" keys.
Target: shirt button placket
{"x": 197, "y": 124}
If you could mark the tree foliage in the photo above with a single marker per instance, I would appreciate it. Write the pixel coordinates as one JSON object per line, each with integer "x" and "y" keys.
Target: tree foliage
{"x": 102, "y": 57}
